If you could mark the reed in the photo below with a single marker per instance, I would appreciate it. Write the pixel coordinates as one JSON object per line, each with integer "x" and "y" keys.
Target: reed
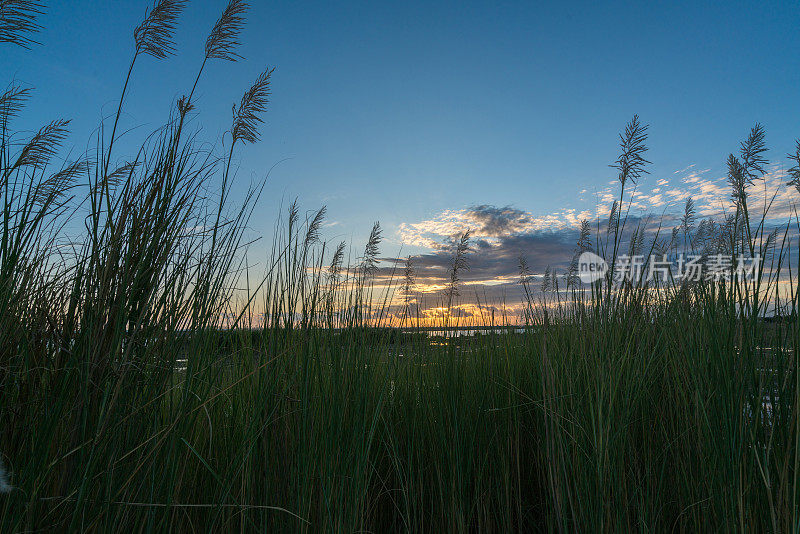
{"x": 142, "y": 392}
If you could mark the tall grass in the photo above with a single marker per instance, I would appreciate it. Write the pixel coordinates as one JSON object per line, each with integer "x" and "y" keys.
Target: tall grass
{"x": 141, "y": 392}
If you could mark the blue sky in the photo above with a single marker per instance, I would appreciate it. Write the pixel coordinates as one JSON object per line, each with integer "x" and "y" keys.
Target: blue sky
{"x": 403, "y": 112}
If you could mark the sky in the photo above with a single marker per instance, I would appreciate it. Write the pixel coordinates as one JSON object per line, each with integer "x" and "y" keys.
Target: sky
{"x": 434, "y": 117}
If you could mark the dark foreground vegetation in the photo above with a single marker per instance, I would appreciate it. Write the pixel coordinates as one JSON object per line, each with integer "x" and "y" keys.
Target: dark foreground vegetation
{"x": 141, "y": 393}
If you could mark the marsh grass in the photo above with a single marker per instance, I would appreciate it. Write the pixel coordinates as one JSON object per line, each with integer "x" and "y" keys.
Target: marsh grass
{"x": 142, "y": 392}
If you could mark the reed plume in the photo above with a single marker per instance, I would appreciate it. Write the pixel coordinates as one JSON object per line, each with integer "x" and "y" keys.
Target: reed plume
{"x": 43, "y": 145}
{"x": 50, "y": 192}
{"x": 737, "y": 179}
{"x": 220, "y": 44}
{"x": 752, "y": 150}
{"x": 12, "y": 102}
{"x": 631, "y": 166}
{"x": 246, "y": 117}
{"x": 18, "y": 21}
{"x": 584, "y": 236}
{"x": 369, "y": 262}
{"x": 409, "y": 281}
{"x": 546, "y": 279}
{"x": 572, "y": 272}
{"x": 154, "y": 36}
{"x": 335, "y": 266}
{"x": 613, "y": 217}
{"x": 794, "y": 171}
{"x": 524, "y": 270}
{"x": 407, "y": 288}
{"x": 745, "y": 171}
{"x": 631, "y": 162}
{"x": 224, "y": 37}
{"x": 688, "y": 219}
{"x": 294, "y": 215}
{"x": 312, "y": 232}
{"x": 674, "y": 238}
{"x": 460, "y": 263}
{"x": 583, "y": 244}
{"x": 408, "y": 278}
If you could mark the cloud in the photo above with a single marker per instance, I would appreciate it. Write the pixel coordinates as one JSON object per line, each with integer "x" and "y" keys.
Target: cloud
{"x": 485, "y": 222}
{"x": 503, "y": 234}
{"x": 711, "y": 195}
{"x": 500, "y": 237}
{"x": 499, "y": 258}
{"x": 493, "y": 221}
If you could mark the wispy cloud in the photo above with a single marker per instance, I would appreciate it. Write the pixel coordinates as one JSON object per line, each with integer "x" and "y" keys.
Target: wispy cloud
{"x": 711, "y": 195}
